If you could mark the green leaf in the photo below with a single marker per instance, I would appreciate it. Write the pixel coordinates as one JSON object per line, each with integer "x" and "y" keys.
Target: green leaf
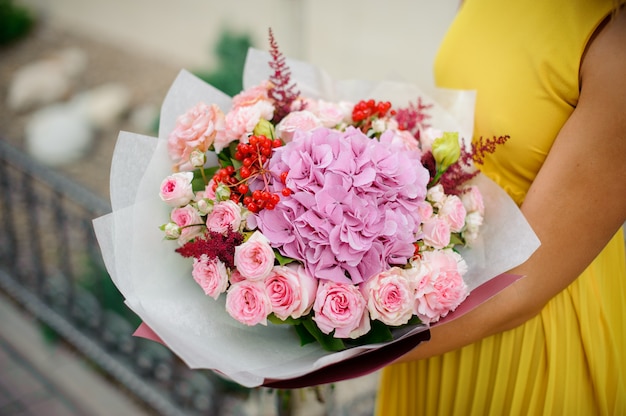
{"x": 378, "y": 333}
{"x": 456, "y": 239}
{"x": 282, "y": 260}
{"x": 276, "y": 320}
{"x": 305, "y": 336}
{"x": 328, "y": 342}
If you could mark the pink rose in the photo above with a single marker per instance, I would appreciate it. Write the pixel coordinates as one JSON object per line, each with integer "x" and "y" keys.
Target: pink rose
{"x": 225, "y": 216}
{"x": 176, "y": 189}
{"x": 252, "y": 95}
{"x": 390, "y": 296}
{"x": 436, "y": 195}
{"x": 340, "y": 307}
{"x": 427, "y": 137}
{"x": 296, "y": 121}
{"x": 208, "y": 192}
{"x": 236, "y": 277}
{"x": 247, "y": 302}
{"x": 473, "y": 222}
{"x": 291, "y": 291}
{"x": 211, "y": 275}
{"x": 425, "y": 210}
{"x": 453, "y": 211}
{"x": 194, "y": 130}
{"x": 440, "y": 286}
{"x": 436, "y": 232}
{"x": 240, "y": 121}
{"x": 255, "y": 258}
{"x": 330, "y": 114}
{"x": 190, "y": 222}
{"x": 473, "y": 200}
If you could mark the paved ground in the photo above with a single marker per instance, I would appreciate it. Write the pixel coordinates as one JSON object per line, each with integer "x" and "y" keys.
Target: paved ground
{"x": 38, "y": 378}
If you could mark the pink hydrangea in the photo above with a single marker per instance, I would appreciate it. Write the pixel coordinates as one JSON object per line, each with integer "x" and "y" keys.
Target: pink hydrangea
{"x": 354, "y": 207}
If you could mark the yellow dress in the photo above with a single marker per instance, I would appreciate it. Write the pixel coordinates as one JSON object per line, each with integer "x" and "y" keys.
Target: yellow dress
{"x": 522, "y": 58}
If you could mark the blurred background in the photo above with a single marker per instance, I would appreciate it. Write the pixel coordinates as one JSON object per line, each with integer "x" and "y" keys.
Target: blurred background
{"x": 73, "y": 73}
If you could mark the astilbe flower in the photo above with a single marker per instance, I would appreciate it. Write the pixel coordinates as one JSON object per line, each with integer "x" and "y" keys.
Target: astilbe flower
{"x": 464, "y": 170}
{"x": 283, "y": 92}
{"x": 455, "y": 177}
{"x": 413, "y": 118}
{"x": 214, "y": 245}
{"x": 483, "y": 147}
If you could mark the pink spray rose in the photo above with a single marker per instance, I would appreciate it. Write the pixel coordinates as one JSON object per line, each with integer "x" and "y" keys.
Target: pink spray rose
{"x": 225, "y": 216}
{"x": 296, "y": 121}
{"x": 453, "y": 211}
{"x": 440, "y": 286}
{"x": 236, "y": 277}
{"x": 428, "y": 136}
{"x": 436, "y": 232}
{"x": 341, "y": 307}
{"x": 195, "y": 130}
{"x": 190, "y": 222}
{"x": 211, "y": 275}
{"x": 176, "y": 189}
{"x": 473, "y": 200}
{"x": 390, "y": 296}
{"x": 425, "y": 210}
{"x": 252, "y": 95}
{"x": 240, "y": 121}
{"x": 291, "y": 291}
{"x": 474, "y": 204}
{"x": 436, "y": 195}
{"x": 330, "y": 114}
{"x": 255, "y": 259}
{"x": 247, "y": 302}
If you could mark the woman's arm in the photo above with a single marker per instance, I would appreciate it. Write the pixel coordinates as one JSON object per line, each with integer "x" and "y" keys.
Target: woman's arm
{"x": 575, "y": 205}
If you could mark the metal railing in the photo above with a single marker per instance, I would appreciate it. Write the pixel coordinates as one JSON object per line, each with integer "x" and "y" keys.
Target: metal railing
{"x": 51, "y": 265}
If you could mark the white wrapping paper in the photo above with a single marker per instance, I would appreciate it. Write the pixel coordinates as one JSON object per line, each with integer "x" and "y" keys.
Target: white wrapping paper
{"x": 156, "y": 281}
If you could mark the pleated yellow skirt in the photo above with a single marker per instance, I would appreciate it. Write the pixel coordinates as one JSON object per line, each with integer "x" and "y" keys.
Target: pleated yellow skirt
{"x": 568, "y": 360}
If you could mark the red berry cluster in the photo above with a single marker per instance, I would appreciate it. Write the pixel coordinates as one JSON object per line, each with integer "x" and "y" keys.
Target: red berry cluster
{"x": 253, "y": 157}
{"x": 364, "y": 110}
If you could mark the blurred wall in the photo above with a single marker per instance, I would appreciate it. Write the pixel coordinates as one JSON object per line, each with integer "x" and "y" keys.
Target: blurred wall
{"x": 349, "y": 38}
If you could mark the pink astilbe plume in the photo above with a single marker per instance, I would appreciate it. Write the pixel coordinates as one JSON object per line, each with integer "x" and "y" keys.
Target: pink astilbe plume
{"x": 483, "y": 147}
{"x": 413, "y": 118}
{"x": 459, "y": 173}
{"x": 214, "y": 245}
{"x": 283, "y": 91}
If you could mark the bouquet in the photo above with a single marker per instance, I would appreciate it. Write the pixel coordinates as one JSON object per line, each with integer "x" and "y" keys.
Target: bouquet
{"x": 322, "y": 230}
